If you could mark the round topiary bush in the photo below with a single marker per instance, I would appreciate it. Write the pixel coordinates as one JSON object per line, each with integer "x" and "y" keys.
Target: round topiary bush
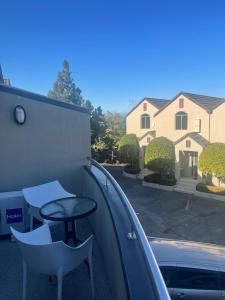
{"x": 212, "y": 160}
{"x": 128, "y": 148}
{"x": 160, "y": 156}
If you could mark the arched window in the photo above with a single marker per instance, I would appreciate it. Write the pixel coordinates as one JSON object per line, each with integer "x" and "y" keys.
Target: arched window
{"x": 145, "y": 121}
{"x": 181, "y": 120}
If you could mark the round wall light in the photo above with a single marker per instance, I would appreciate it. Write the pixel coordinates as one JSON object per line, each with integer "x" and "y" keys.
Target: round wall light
{"x": 19, "y": 115}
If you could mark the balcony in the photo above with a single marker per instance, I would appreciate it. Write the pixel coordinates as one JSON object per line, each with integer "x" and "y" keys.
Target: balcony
{"x": 124, "y": 265}
{"x": 53, "y": 144}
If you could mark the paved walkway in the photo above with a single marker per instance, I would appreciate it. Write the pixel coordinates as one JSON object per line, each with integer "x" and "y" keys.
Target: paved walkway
{"x": 174, "y": 215}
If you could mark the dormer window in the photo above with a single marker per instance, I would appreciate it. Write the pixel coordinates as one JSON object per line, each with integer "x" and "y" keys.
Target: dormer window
{"x": 145, "y": 121}
{"x": 181, "y": 120}
{"x": 145, "y": 106}
{"x": 181, "y": 103}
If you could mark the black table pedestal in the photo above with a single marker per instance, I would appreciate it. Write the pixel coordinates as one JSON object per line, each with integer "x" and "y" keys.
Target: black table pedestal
{"x": 68, "y": 233}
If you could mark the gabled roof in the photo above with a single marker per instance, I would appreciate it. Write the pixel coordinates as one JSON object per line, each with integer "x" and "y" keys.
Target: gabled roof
{"x": 151, "y": 132}
{"x": 158, "y": 103}
{"x": 198, "y": 138}
{"x": 208, "y": 103}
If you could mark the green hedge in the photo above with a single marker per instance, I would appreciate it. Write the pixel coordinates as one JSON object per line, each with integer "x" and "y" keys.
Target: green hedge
{"x": 160, "y": 156}
{"x": 212, "y": 160}
{"x": 157, "y": 178}
{"x": 128, "y": 148}
{"x": 131, "y": 170}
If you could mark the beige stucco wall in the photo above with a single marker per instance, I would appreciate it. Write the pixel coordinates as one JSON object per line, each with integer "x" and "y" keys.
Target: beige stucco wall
{"x": 52, "y": 144}
{"x": 164, "y": 125}
{"x": 133, "y": 123}
{"x": 218, "y": 124}
{"x": 165, "y": 120}
{"x": 144, "y": 141}
{"x": 182, "y": 147}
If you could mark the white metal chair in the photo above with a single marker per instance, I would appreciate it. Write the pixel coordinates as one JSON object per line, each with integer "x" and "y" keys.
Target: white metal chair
{"x": 37, "y": 196}
{"x": 51, "y": 258}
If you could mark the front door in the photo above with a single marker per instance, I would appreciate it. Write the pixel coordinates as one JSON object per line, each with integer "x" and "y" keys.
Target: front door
{"x": 194, "y": 165}
{"x": 189, "y": 164}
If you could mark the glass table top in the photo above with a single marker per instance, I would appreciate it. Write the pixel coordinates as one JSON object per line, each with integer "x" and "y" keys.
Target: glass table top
{"x": 68, "y": 208}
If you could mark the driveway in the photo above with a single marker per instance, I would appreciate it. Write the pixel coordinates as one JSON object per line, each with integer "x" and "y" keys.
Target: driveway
{"x": 172, "y": 214}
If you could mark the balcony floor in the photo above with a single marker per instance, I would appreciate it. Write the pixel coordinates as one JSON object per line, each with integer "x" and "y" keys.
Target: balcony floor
{"x": 76, "y": 285}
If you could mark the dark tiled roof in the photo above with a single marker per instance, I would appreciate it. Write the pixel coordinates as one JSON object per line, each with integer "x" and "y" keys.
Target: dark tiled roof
{"x": 198, "y": 138}
{"x": 158, "y": 103}
{"x": 207, "y": 102}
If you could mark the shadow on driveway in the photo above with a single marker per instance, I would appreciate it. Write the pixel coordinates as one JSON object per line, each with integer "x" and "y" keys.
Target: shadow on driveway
{"x": 165, "y": 214}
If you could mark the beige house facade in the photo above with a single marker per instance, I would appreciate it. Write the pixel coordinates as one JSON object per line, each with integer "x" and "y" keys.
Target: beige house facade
{"x": 191, "y": 121}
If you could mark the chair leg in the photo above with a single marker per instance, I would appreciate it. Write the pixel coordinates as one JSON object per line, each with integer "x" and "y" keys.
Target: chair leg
{"x": 24, "y": 279}
{"x": 91, "y": 276}
{"x": 60, "y": 280}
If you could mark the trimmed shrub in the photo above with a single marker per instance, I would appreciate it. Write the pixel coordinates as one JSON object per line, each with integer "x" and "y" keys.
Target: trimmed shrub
{"x": 160, "y": 156}
{"x": 212, "y": 160}
{"x": 131, "y": 170}
{"x": 201, "y": 187}
{"x": 128, "y": 148}
{"x": 157, "y": 178}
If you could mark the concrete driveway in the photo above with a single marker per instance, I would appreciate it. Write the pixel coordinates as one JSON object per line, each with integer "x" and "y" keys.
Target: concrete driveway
{"x": 172, "y": 214}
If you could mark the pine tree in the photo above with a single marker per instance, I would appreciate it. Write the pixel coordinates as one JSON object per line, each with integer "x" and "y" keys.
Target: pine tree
{"x": 64, "y": 88}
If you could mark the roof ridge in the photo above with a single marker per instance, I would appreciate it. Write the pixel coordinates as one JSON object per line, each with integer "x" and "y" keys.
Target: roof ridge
{"x": 188, "y": 93}
{"x": 150, "y": 98}
{"x": 194, "y": 135}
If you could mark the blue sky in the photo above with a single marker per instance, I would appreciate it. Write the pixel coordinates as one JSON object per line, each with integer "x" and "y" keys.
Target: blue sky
{"x": 119, "y": 51}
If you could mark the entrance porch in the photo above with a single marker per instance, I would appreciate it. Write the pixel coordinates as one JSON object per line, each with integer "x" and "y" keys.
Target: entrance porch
{"x": 188, "y": 149}
{"x": 188, "y": 164}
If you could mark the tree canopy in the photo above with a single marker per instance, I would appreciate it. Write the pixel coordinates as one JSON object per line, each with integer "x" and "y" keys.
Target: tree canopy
{"x": 116, "y": 122}
{"x": 129, "y": 150}
{"x": 106, "y": 129}
{"x": 64, "y": 88}
{"x": 97, "y": 124}
{"x": 212, "y": 160}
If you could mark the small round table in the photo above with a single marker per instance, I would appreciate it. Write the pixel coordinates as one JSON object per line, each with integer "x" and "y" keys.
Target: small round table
{"x": 68, "y": 210}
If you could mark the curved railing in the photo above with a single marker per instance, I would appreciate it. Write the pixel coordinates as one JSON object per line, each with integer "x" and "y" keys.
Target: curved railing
{"x": 136, "y": 231}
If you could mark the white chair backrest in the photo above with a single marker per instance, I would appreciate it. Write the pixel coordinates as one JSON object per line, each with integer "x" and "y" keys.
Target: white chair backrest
{"x": 47, "y": 257}
{"x": 39, "y": 236}
{"x": 40, "y": 194}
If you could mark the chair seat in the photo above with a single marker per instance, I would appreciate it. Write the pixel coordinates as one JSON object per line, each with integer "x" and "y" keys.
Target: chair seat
{"x": 51, "y": 258}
